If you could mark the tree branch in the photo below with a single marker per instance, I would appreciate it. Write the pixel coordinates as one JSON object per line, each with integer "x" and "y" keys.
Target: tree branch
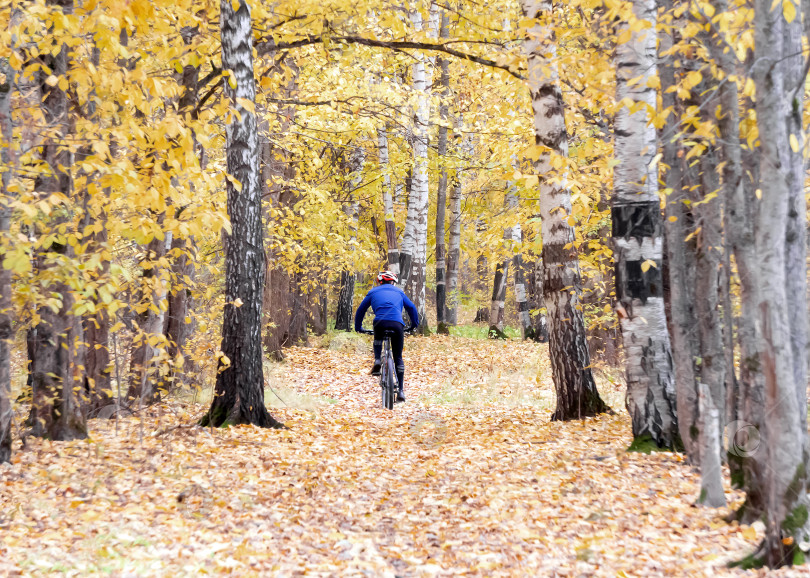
{"x": 264, "y": 48}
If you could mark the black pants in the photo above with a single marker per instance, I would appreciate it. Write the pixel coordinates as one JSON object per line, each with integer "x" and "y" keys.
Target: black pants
{"x": 397, "y": 331}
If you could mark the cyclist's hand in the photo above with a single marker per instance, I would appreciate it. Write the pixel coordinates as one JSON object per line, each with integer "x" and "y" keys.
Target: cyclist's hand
{"x": 410, "y": 329}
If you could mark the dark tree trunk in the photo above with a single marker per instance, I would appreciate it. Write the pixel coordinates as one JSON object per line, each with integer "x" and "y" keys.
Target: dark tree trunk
{"x": 343, "y": 315}
{"x": 454, "y": 252}
{"x": 143, "y": 380}
{"x": 239, "y": 391}
{"x": 678, "y": 224}
{"x": 318, "y": 309}
{"x": 534, "y": 287}
{"x": 481, "y": 275}
{"x": 56, "y": 412}
{"x": 177, "y": 324}
{"x": 388, "y": 203}
{"x": 441, "y": 193}
{"x": 6, "y": 323}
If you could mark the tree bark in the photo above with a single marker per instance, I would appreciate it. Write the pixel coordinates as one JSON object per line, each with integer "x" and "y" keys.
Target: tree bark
{"x": 785, "y": 408}
{"x": 497, "y": 303}
{"x": 454, "y": 252}
{"x": 56, "y": 411}
{"x": 577, "y": 395}
{"x": 678, "y": 225}
{"x": 481, "y": 276}
{"x": 6, "y": 311}
{"x": 344, "y": 320}
{"x": 419, "y": 197}
{"x": 239, "y": 391}
{"x": 638, "y": 242}
{"x": 388, "y": 203}
{"x": 177, "y": 326}
{"x": 711, "y": 473}
{"x": 441, "y": 191}
{"x": 143, "y": 383}
{"x": 534, "y": 287}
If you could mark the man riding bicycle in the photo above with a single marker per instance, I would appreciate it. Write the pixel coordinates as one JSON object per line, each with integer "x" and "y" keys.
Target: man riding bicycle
{"x": 387, "y": 301}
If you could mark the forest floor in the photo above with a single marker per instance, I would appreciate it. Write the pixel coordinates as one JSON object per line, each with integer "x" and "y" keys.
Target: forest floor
{"x": 469, "y": 477}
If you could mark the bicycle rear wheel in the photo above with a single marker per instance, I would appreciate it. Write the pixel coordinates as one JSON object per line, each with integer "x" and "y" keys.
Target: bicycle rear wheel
{"x": 384, "y": 376}
{"x": 383, "y": 381}
{"x": 390, "y": 385}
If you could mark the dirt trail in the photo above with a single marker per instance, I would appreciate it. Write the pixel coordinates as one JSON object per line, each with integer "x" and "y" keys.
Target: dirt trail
{"x": 468, "y": 477}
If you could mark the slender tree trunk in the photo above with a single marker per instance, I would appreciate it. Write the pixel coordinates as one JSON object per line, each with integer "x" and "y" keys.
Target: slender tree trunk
{"x": 521, "y": 293}
{"x": 239, "y": 391}
{"x": 680, "y": 254}
{"x": 745, "y": 401}
{"x": 407, "y": 248}
{"x": 496, "y": 310}
{"x": 454, "y": 252}
{"x": 536, "y": 304}
{"x": 481, "y": 276}
{"x": 420, "y": 197}
{"x": 497, "y": 304}
{"x": 388, "y": 203}
{"x": 178, "y": 326}
{"x": 796, "y": 234}
{"x": 441, "y": 192}
{"x": 711, "y": 478}
{"x": 6, "y": 311}
{"x": 785, "y": 408}
{"x": 577, "y": 395}
{"x": 282, "y": 295}
{"x": 344, "y": 319}
{"x": 712, "y": 365}
{"x": 95, "y": 325}
{"x": 143, "y": 380}
{"x": 638, "y": 243}
{"x": 56, "y": 410}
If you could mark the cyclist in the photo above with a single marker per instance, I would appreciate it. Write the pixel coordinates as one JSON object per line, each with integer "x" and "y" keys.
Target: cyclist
{"x": 387, "y": 301}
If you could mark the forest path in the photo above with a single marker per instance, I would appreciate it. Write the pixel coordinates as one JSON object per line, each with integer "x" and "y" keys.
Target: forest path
{"x": 468, "y": 477}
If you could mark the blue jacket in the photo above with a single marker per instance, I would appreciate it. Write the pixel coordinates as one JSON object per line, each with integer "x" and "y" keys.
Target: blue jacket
{"x": 387, "y": 302}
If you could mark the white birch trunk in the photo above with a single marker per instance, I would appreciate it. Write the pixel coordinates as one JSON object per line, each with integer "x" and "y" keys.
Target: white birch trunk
{"x": 570, "y": 360}
{"x": 638, "y": 242}
{"x": 419, "y": 197}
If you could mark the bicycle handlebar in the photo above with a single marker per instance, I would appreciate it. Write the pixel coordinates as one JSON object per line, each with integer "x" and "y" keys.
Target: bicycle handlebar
{"x": 369, "y": 332}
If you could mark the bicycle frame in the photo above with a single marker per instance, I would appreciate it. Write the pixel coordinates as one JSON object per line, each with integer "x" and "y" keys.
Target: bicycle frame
{"x": 388, "y": 376}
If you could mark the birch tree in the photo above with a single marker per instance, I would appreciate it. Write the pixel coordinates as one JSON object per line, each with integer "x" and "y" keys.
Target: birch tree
{"x": 577, "y": 395}
{"x": 239, "y": 390}
{"x": 638, "y": 239}
{"x": 415, "y": 238}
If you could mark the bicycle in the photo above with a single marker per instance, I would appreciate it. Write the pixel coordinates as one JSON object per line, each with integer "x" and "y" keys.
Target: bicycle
{"x": 388, "y": 372}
